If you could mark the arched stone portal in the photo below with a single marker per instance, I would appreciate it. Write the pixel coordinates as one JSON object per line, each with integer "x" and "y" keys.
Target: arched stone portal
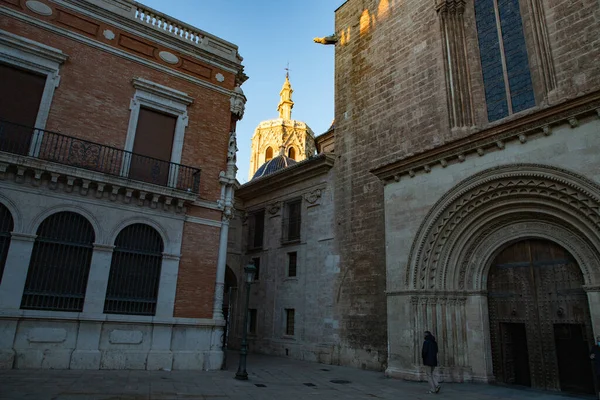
{"x": 446, "y": 277}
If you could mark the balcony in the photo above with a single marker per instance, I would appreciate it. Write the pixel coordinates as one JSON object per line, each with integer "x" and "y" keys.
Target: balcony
{"x": 39, "y": 149}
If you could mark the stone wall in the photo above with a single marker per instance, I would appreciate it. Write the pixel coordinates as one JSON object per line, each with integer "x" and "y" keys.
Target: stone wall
{"x": 311, "y": 293}
{"x": 393, "y": 102}
{"x": 91, "y": 339}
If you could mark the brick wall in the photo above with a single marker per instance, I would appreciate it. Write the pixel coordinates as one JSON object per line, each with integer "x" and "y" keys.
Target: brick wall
{"x": 197, "y": 271}
{"x": 391, "y": 103}
{"x": 93, "y": 98}
{"x": 92, "y": 102}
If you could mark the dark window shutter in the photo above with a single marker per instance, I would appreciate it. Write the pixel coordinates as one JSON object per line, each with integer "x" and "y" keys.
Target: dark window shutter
{"x": 152, "y": 147}
{"x": 20, "y": 98}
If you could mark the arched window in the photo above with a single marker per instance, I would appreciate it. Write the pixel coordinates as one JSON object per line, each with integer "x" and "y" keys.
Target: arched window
{"x": 268, "y": 154}
{"x": 504, "y": 62}
{"x": 6, "y": 227}
{"x": 60, "y": 264}
{"x": 134, "y": 271}
{"x": 292, "y": 153}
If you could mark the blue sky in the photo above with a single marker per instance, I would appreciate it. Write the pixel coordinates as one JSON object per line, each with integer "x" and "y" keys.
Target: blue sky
{"x": 270, "y": 34}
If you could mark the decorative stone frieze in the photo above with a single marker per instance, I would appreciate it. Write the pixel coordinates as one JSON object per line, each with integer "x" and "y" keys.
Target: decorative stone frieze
{"x": 523, "y": 129}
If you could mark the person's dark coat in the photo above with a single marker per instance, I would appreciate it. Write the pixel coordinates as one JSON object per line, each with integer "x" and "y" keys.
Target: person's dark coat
{"x": 430, "y": 351}
{"x": 596, "y": 352}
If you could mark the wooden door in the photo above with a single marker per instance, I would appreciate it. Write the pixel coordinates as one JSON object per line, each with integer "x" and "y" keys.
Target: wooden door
{"x": 535, "y": 299}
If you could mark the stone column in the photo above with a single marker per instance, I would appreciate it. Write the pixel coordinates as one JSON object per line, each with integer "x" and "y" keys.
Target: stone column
{"x": 15, "y": 270}
{"x": 221, "y": 265}
{"x": 160, "y": 355}
{"x": 11, "y": 292}
{"x": 165, "y": 303}
{"x": 87, "y": 354}
{"x": 95, "y": 293}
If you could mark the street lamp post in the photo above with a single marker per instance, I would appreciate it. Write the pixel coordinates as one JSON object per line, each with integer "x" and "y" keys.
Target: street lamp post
{"x": 241, "y": 373}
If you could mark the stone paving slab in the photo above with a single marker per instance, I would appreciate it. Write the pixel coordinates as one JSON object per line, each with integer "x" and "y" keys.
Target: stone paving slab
{"x": 277, "y": 379}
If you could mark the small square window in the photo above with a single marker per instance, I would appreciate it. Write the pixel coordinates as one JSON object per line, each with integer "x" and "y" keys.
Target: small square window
{"x": 256, "y": 227}
{"x": 256, "y": 262}
{"x": 292, "y": 221}
{"x": 292, "y": 263}
{"x": 290, "y": 321}
{"x": 252, "y": 313}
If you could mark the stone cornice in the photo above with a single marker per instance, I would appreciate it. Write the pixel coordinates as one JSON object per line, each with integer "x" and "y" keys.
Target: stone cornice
{"x": 10, "y": 314}
{"x": 494, "y": 138}
{"x": 28, "y": 170}
{"x": 31, "y": 47}
{"x": 110, "y": 48}
{"x": 302, "y": 171}
{"x": 211, "y": 48}
{"x": 162, "y": 91}
{"x": 104, "y": 247}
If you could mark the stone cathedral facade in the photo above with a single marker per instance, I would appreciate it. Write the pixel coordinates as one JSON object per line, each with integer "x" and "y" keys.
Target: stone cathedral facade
{"x": 469, "y": 134}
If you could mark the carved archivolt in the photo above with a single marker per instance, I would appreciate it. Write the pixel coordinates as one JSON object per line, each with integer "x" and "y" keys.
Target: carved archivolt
{"x": 494, "y": 202}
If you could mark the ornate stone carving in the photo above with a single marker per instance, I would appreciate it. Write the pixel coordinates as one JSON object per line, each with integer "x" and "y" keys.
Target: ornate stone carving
{"x": 108, "y": 34}
{"x": 232, "y": 149}
{"x": 274, "y": 208}
{"x": 39, "y": 8}
{"x": 238, "y": 102}
{"x": 312, "y": 197}
{"x": 168, "y": 57}
{"x": 331, "y": 39}
{"x": 533, "y": 190}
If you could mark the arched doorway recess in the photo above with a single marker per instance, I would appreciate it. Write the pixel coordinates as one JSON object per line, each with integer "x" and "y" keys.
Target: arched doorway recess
{"x": 540, "y": 327}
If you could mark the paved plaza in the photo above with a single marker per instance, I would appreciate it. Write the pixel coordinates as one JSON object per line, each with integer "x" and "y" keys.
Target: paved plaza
{"x": 271, "y": 378}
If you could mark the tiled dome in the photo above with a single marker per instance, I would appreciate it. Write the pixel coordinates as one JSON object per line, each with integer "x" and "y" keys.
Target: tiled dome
{"x": 273, "y": 165}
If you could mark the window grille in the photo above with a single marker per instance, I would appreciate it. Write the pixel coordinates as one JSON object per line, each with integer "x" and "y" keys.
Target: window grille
{"x": 256, "y": 262}
{"x": 6, "y": 227}
{"x": 256, "y": 227}
{"x": 292, "y": 221}
{"x": 292, "y": 262}
{"x": 252, "y": 320}
{"x": 290, "y": 321}
{"x": 504, "y": 62}
{"x": 134, "y": 271}
{"x": 60, "y": 264}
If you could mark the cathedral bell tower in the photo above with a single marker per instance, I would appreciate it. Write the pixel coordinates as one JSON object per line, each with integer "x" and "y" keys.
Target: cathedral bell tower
{"x": 282, "y": 138}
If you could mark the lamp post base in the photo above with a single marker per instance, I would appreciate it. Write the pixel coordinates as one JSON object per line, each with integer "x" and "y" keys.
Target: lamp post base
{"x": 242, "y": 376}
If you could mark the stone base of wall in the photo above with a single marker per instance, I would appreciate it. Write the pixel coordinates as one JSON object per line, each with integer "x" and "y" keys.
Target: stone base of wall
{"x": 331, "y": 354}
{"x": 33, "y": 343}
{"x": 444, "y": 374}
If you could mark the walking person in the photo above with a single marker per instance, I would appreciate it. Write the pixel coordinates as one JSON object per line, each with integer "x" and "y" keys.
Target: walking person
{"x": 429, "y": 354}
{"x": 595, "y": 356}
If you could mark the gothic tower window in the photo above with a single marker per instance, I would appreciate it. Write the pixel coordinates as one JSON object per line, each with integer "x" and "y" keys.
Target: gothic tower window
{"x": 292, "y": 153}
{"x": 268, "y": 154}
{"x": 504, "y": 60}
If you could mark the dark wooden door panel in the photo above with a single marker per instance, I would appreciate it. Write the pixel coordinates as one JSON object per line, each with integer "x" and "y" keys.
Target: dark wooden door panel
{"x": 535, "y": 293}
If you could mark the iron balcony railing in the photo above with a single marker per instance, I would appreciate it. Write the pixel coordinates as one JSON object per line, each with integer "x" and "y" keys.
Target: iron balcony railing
{"x": 72, "y": 151}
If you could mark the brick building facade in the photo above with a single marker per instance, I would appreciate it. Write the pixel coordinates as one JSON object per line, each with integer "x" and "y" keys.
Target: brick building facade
{"x": 117, "y": 170}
